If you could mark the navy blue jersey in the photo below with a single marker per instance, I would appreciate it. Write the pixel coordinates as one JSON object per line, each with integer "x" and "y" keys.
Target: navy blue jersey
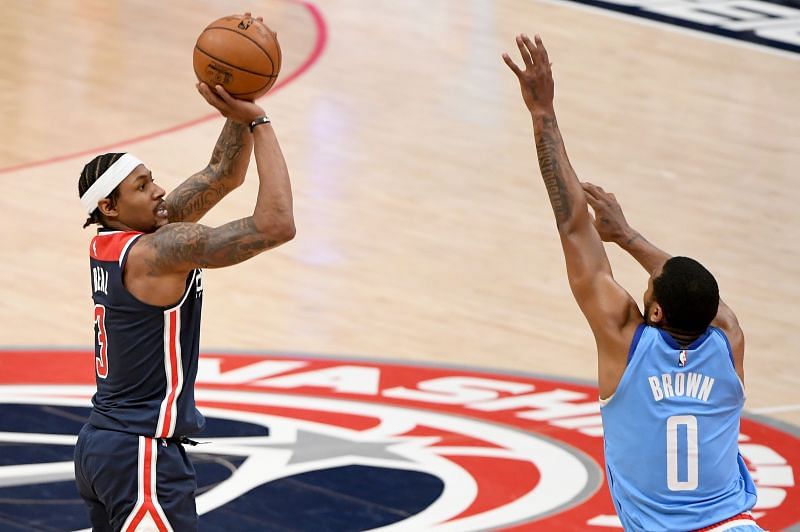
{"x": 671, "y": 434}
{"x": 145, "y": 356}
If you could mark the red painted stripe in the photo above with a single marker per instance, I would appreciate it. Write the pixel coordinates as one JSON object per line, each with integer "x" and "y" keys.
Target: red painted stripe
{"x": 319, "y": 46}
{"x": 173, "y": 364}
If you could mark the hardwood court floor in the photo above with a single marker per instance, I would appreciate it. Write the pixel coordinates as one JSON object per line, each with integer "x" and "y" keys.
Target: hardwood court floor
{"x": 424, "y": 231}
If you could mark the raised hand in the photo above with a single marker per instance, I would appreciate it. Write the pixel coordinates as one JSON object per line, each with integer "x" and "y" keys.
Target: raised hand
{"x": 536, "y": 81}
{"x": 609, "y": 220}
{"x": 242, "y": 111}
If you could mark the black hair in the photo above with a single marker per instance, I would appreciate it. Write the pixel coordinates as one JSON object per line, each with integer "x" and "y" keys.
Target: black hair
{"x": 91, "y": 173}
{"x": 688, "y": 294}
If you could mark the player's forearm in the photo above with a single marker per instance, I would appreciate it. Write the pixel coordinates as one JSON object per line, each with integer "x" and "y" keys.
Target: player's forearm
{"x": 563, "y": 188}
{"x": 647, "y": 254}
{"x": 231, "y": 155}
{"x": 226, "y": 170}
{"x": 273, "y": 214}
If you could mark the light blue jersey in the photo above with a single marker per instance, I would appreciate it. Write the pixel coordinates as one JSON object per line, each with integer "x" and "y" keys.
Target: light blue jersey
{"x": 671, "y": 431}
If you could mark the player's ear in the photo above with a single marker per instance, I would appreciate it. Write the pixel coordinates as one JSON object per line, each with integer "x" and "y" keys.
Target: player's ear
{"x": 107, "y": 207}
{"x": 656, "y": 313}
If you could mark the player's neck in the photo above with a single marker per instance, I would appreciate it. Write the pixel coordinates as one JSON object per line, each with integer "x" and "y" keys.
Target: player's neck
{"x": 683, "y": 338}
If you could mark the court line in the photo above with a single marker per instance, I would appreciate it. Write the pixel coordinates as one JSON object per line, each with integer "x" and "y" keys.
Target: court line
{"x": 319, "y": 47}
{"x": 774, "y": 409}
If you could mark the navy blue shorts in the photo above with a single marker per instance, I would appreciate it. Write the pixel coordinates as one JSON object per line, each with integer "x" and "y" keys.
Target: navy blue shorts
{"x": 128, "y": 481}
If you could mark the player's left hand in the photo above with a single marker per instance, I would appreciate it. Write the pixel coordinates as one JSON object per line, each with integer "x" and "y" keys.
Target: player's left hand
{"x": 242, "y": 111}
{"x": 609, "y": 219}
{"x": 536, "y": 81}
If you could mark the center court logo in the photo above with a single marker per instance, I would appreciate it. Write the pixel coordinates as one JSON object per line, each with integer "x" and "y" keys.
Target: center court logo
{"x": 301, "y": 443}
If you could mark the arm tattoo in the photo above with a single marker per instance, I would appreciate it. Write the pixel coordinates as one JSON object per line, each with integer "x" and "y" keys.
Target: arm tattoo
{"x": 191, "y": 245}
{"x": 199, "y": 193}
{"x": 551, "y": 164}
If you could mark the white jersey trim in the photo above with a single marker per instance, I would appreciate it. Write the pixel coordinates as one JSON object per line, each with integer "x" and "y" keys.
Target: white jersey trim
{"x": 124, "y": 251}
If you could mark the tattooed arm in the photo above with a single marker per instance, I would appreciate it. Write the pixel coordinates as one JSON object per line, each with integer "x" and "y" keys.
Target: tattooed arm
{"x": 181, "y": 247}
{"x": 610, "y": 311}
{"x": 226, "y": 170}
{"x": 157, "y": 265}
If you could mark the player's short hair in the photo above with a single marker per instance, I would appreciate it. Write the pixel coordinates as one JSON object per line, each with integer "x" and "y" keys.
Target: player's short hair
{"x": 687, "y": 293}
{"x": 91, "y": 173}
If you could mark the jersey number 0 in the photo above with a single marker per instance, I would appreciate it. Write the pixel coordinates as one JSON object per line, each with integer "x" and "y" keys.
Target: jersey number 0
{"x": 689, "y": 453}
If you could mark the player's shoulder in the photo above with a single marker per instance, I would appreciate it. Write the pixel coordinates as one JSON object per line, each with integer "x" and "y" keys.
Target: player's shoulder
{"x": 110, "y": 245}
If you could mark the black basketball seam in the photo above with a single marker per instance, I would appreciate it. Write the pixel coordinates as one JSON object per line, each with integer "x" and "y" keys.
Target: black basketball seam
{"x": 271, "y": 62}
{"x": 234, "y": 66}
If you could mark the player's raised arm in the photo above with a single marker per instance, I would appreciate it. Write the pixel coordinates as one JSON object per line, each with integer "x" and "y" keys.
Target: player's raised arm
{"x": 611, "y": 312}
{"x": 179, "y": 247}
{"x": 603, "y": 301}
{"x": 193, "y": 198}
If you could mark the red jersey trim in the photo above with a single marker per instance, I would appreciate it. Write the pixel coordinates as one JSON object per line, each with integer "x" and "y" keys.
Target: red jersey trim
{"x": 744, "y": 518}
{"x": 110, "y": 247}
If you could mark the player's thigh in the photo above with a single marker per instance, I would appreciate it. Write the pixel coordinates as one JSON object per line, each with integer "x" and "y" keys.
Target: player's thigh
{"x": 176, "y": 486}
{"x": 106, "y": 466}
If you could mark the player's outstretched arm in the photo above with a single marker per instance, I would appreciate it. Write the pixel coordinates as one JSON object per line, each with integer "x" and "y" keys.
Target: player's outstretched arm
{"x": 611, "y": 312}
{"x": 193, "y": 198}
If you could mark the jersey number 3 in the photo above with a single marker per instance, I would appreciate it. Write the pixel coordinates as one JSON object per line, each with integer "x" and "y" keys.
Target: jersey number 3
{"x": 682, "y": 436}
{"x": 101, "y": 354}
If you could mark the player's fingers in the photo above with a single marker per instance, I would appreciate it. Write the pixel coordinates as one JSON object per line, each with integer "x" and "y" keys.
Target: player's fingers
{"x": 203, "y": 89}
{"x": 592, "y": 201}
{"x": 531, "y": 47}
{"x": 589, "y": 188}
{"x": 524, "y": 52}
{"x": 223, "y": 94}
{"x": 512, "y": 65}
{"x": 541, "y": 50}
{"x": 209, "y": 96}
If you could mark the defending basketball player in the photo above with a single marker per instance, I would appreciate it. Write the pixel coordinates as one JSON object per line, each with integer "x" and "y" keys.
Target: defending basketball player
{"x": 671, "y": 379}
{"x": 146, "y": 260}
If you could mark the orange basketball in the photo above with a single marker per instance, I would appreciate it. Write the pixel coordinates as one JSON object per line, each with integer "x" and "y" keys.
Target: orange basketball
{"x": 240, "y": 53}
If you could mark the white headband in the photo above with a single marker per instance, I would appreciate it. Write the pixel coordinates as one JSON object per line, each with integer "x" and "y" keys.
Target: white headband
{"x": 107, "y": 182}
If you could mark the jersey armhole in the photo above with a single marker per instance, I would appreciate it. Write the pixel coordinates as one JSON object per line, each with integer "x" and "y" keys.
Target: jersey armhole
{"x": 637, "y": 335}
{"x": 123, "y": 256}
{"x": 727, "y": 344}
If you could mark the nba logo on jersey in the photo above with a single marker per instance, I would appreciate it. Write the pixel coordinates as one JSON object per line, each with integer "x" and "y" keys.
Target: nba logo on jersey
{"x": 682, "y": 358}
{"x": 198, "y": 281}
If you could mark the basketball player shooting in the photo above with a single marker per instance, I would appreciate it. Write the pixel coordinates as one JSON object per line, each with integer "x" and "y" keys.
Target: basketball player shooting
{"x": 671, "y": 379}
{"x": 130, "y": 463}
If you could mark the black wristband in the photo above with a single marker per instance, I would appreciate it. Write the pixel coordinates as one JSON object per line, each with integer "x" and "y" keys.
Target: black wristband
{"x": 258, "y": 121}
